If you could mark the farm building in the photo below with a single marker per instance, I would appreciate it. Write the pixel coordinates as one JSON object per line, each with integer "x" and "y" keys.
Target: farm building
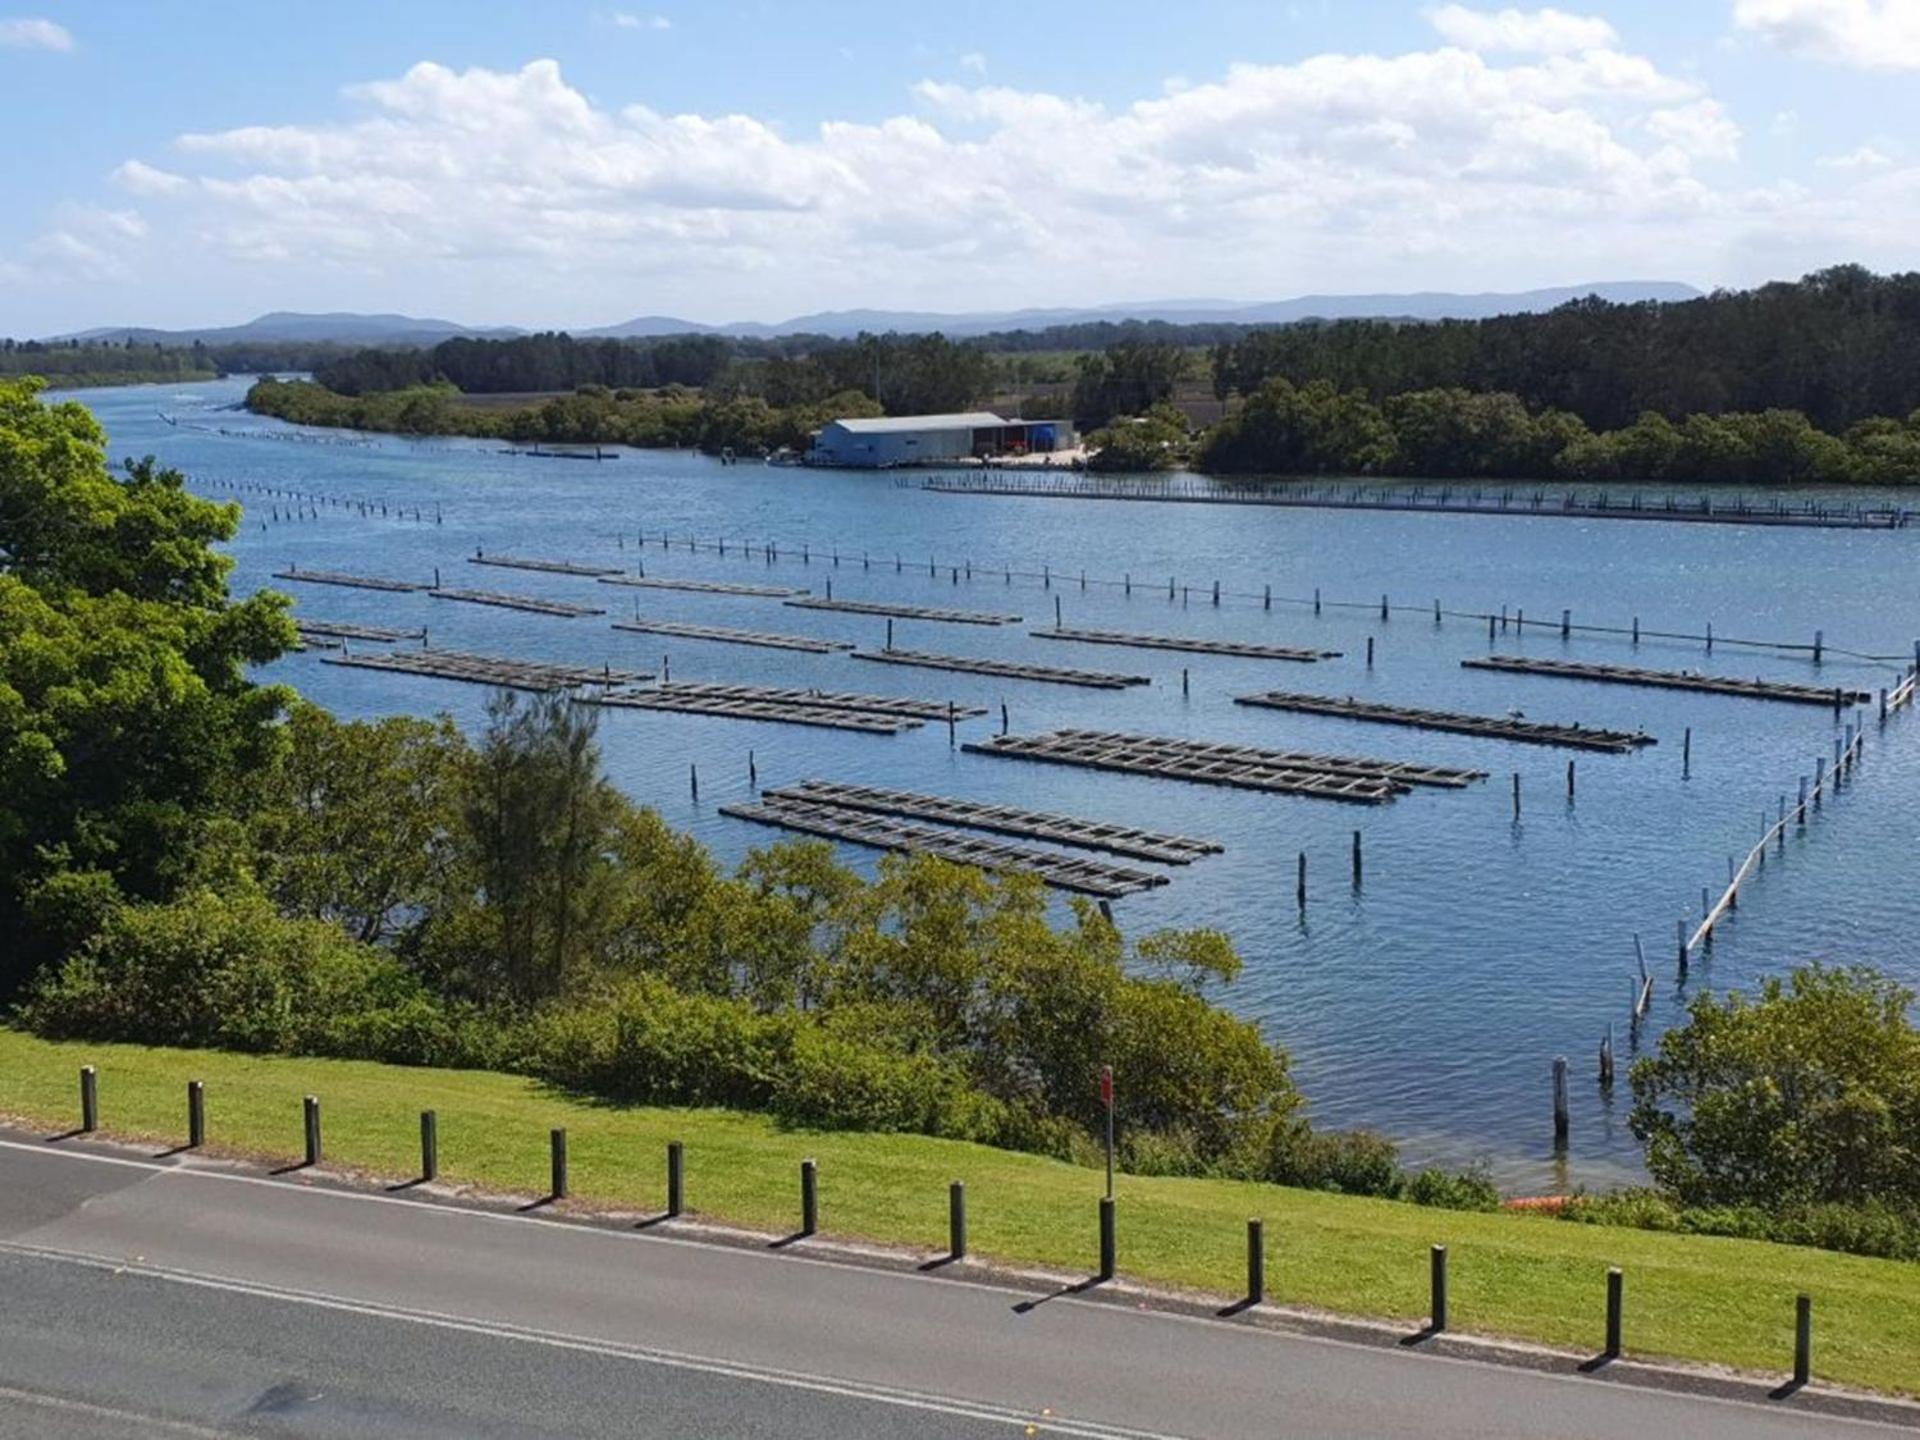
{"x": 934, "y": 439}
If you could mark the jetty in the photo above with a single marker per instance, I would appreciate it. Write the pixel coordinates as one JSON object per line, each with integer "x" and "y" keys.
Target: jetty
{"x": 1180, "y": 642}
{"x": 340, "y": 577}
{"x": 1445, "y": 500}
{"x": 336, "y": 630}
{"x": 1005, "y": 669}
{"x": 906, "y": 706}
{"x": 725, "y": 636}
{"x": 703, "y": 587}
{"x": 539, "y": 675}
{"x": 1491, "y": 727}
{"x": 670, "y": 699}
{"x": 1066, "y": 872}
{"x": 1330, "y": 777}
{"x": 907, "y": 612}
{"x": 531, "y": 603}
{"x": 1153, "y": 845}
{"x": 1831, "y": 697}
{"x": 545, "y": 567}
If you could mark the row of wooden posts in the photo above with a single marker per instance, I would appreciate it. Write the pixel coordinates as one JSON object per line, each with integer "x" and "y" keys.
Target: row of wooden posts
{"x": 560, "y": 1187}
{"x": 1565, "y": 626}
{"x": 305, "y": 505}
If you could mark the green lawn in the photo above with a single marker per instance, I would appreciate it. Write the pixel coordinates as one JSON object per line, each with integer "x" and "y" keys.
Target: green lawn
{"x": 1724, "y": 1301}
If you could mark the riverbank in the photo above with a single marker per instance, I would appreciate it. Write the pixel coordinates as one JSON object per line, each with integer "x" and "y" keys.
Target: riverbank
{"x": 1711, "y": 1301}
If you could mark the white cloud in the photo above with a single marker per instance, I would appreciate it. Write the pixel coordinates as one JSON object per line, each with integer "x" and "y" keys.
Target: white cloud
{"x": 1864, "y": 34}
{"x": 512, "y": 189}
{"x": 34, "y": 34}
{"x": 89, "y": 243}
{"x": 1525, "y": 32}
{"x": 974, "y": 62}
{"x": 1700, "y": 130}
{"x": 1864, "y": 157}
{"x": 626, "y": 20}
{"x": 139, "y": 178}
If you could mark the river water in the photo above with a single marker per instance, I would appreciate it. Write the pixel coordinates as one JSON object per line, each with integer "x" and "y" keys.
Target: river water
{"x": 1430, "y": 1003}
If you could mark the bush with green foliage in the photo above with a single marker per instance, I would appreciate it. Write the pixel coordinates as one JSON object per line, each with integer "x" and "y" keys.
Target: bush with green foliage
{"x": 1806, "y": 1094}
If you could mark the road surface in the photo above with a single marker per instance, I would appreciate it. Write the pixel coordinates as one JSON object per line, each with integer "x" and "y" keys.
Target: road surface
{"x": 151, "y": 1298}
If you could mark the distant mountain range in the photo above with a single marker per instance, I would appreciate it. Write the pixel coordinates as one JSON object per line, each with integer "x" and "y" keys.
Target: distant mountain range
{"x": 402, "y": 330}
{"x": 341, "y": 326}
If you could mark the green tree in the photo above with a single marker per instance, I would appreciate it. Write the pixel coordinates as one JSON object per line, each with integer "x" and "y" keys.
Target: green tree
{"x": 1807, "y": 1093}
{"x": 127, "y": 720}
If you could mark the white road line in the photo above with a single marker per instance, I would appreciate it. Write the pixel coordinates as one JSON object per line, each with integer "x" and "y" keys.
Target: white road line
{"x": 149, "y": 1424}
{"x": 646, "y": 1355}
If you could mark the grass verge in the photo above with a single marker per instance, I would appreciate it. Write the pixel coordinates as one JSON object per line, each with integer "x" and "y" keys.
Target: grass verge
{"x": 1697, "y": 1298}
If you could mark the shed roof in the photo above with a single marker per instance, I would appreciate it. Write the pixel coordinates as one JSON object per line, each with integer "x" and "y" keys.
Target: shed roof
{"x": 893, "y": 424}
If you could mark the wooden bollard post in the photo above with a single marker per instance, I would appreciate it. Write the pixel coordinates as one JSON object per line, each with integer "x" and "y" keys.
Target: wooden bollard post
{"x": 952, "y": 719}
{"x": 1560, "y": 1118}
{"x": 1057, "y": 621}
{"x": 1256, "y": 1262}
{"x": 1569, "y": 780}
{"x": 89, "y": 1100}
{"x": 1109, "y": 1256}
{"x": 1686, "y": 755}
{"x": 957, "y": 1220}
{"x": 753, "y": 772}
{"x": 676, "y": 1179}
{"x": 1489, "y": 627}
{"x": 1819, "y": 645}
{"x": 1369, "y": 652}
{"x": 1300, "y": 886}
{"x": 1819, "y": 779}
{"x": 1357, "y": 864}
{"x": 1606, "y": 1058}
{"x": 1046, "y": 577}
{"x": 1733, "y": 890}
{"x": 1800, "y": 807}
{"x": 1680, "y": 934}
{"x": 1636, "y": 630}
{"x": 1803, "y": 1341}
{"x": 196, "y": 1114}
{"x": 1170, "y": 587}
{"x": 1516, "y": 794}
{"x": 1566, "y": 624}
{"x": 1216, "y": 593}
{"x": 429, "y": 1146}
{"x": 1616, "y": 1306}
{"x": 1003, "y": 717}
{"x": 1384, "y": 608}
{"x": 1437, "y": 1286}
{"x": 557, "y": 1163}
{"x": 1316, "y": 607}
{"x": 310, "y": 1107}
{"x": 1266, "y": 598}
{"x": 693, "y": 779}
{"x": 1128, "y": 583}
{"x": 809, "y": 1197}
{"x": 1883, "y": 705}
{"x": 1709, "y": 637}
{"x": 1184, "y": 683}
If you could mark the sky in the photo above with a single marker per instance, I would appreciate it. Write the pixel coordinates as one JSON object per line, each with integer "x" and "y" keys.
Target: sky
{"x": 575, "y": 164}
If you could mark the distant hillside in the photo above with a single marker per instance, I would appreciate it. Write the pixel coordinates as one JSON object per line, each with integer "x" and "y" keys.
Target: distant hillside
{"x": 338, "y": 327}
{"x": 1427, "y": 305}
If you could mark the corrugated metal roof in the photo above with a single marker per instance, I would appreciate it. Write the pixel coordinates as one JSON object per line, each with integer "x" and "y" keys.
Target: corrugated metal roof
{"x": 893, "y": 424}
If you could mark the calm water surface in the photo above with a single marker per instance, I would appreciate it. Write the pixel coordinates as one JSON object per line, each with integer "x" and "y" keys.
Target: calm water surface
{"x": 1428, "y": 1005}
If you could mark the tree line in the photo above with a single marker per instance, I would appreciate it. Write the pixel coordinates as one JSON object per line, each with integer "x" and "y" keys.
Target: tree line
{"x": 905, "y": 374}
{"x": 77, "y": 364}
{"x": 1453, "y": 433}
{"x": 1839, "y": 346}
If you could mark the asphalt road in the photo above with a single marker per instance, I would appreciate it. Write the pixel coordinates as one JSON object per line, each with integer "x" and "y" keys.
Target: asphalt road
{"x": 162, "y": 1299}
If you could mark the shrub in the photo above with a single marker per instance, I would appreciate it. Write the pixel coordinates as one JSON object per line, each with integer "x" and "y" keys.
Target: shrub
{"x": 1352, "y": 1162}
{"x": 1808, "y": 1094}
{"x": 1469, "y": 1189}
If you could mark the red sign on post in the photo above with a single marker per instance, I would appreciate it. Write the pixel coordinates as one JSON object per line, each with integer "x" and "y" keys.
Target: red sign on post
{"x": 1106, "y": 1086}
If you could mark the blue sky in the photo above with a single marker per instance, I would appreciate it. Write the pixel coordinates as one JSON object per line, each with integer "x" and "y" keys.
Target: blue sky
{"x": 575, "y": 164}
